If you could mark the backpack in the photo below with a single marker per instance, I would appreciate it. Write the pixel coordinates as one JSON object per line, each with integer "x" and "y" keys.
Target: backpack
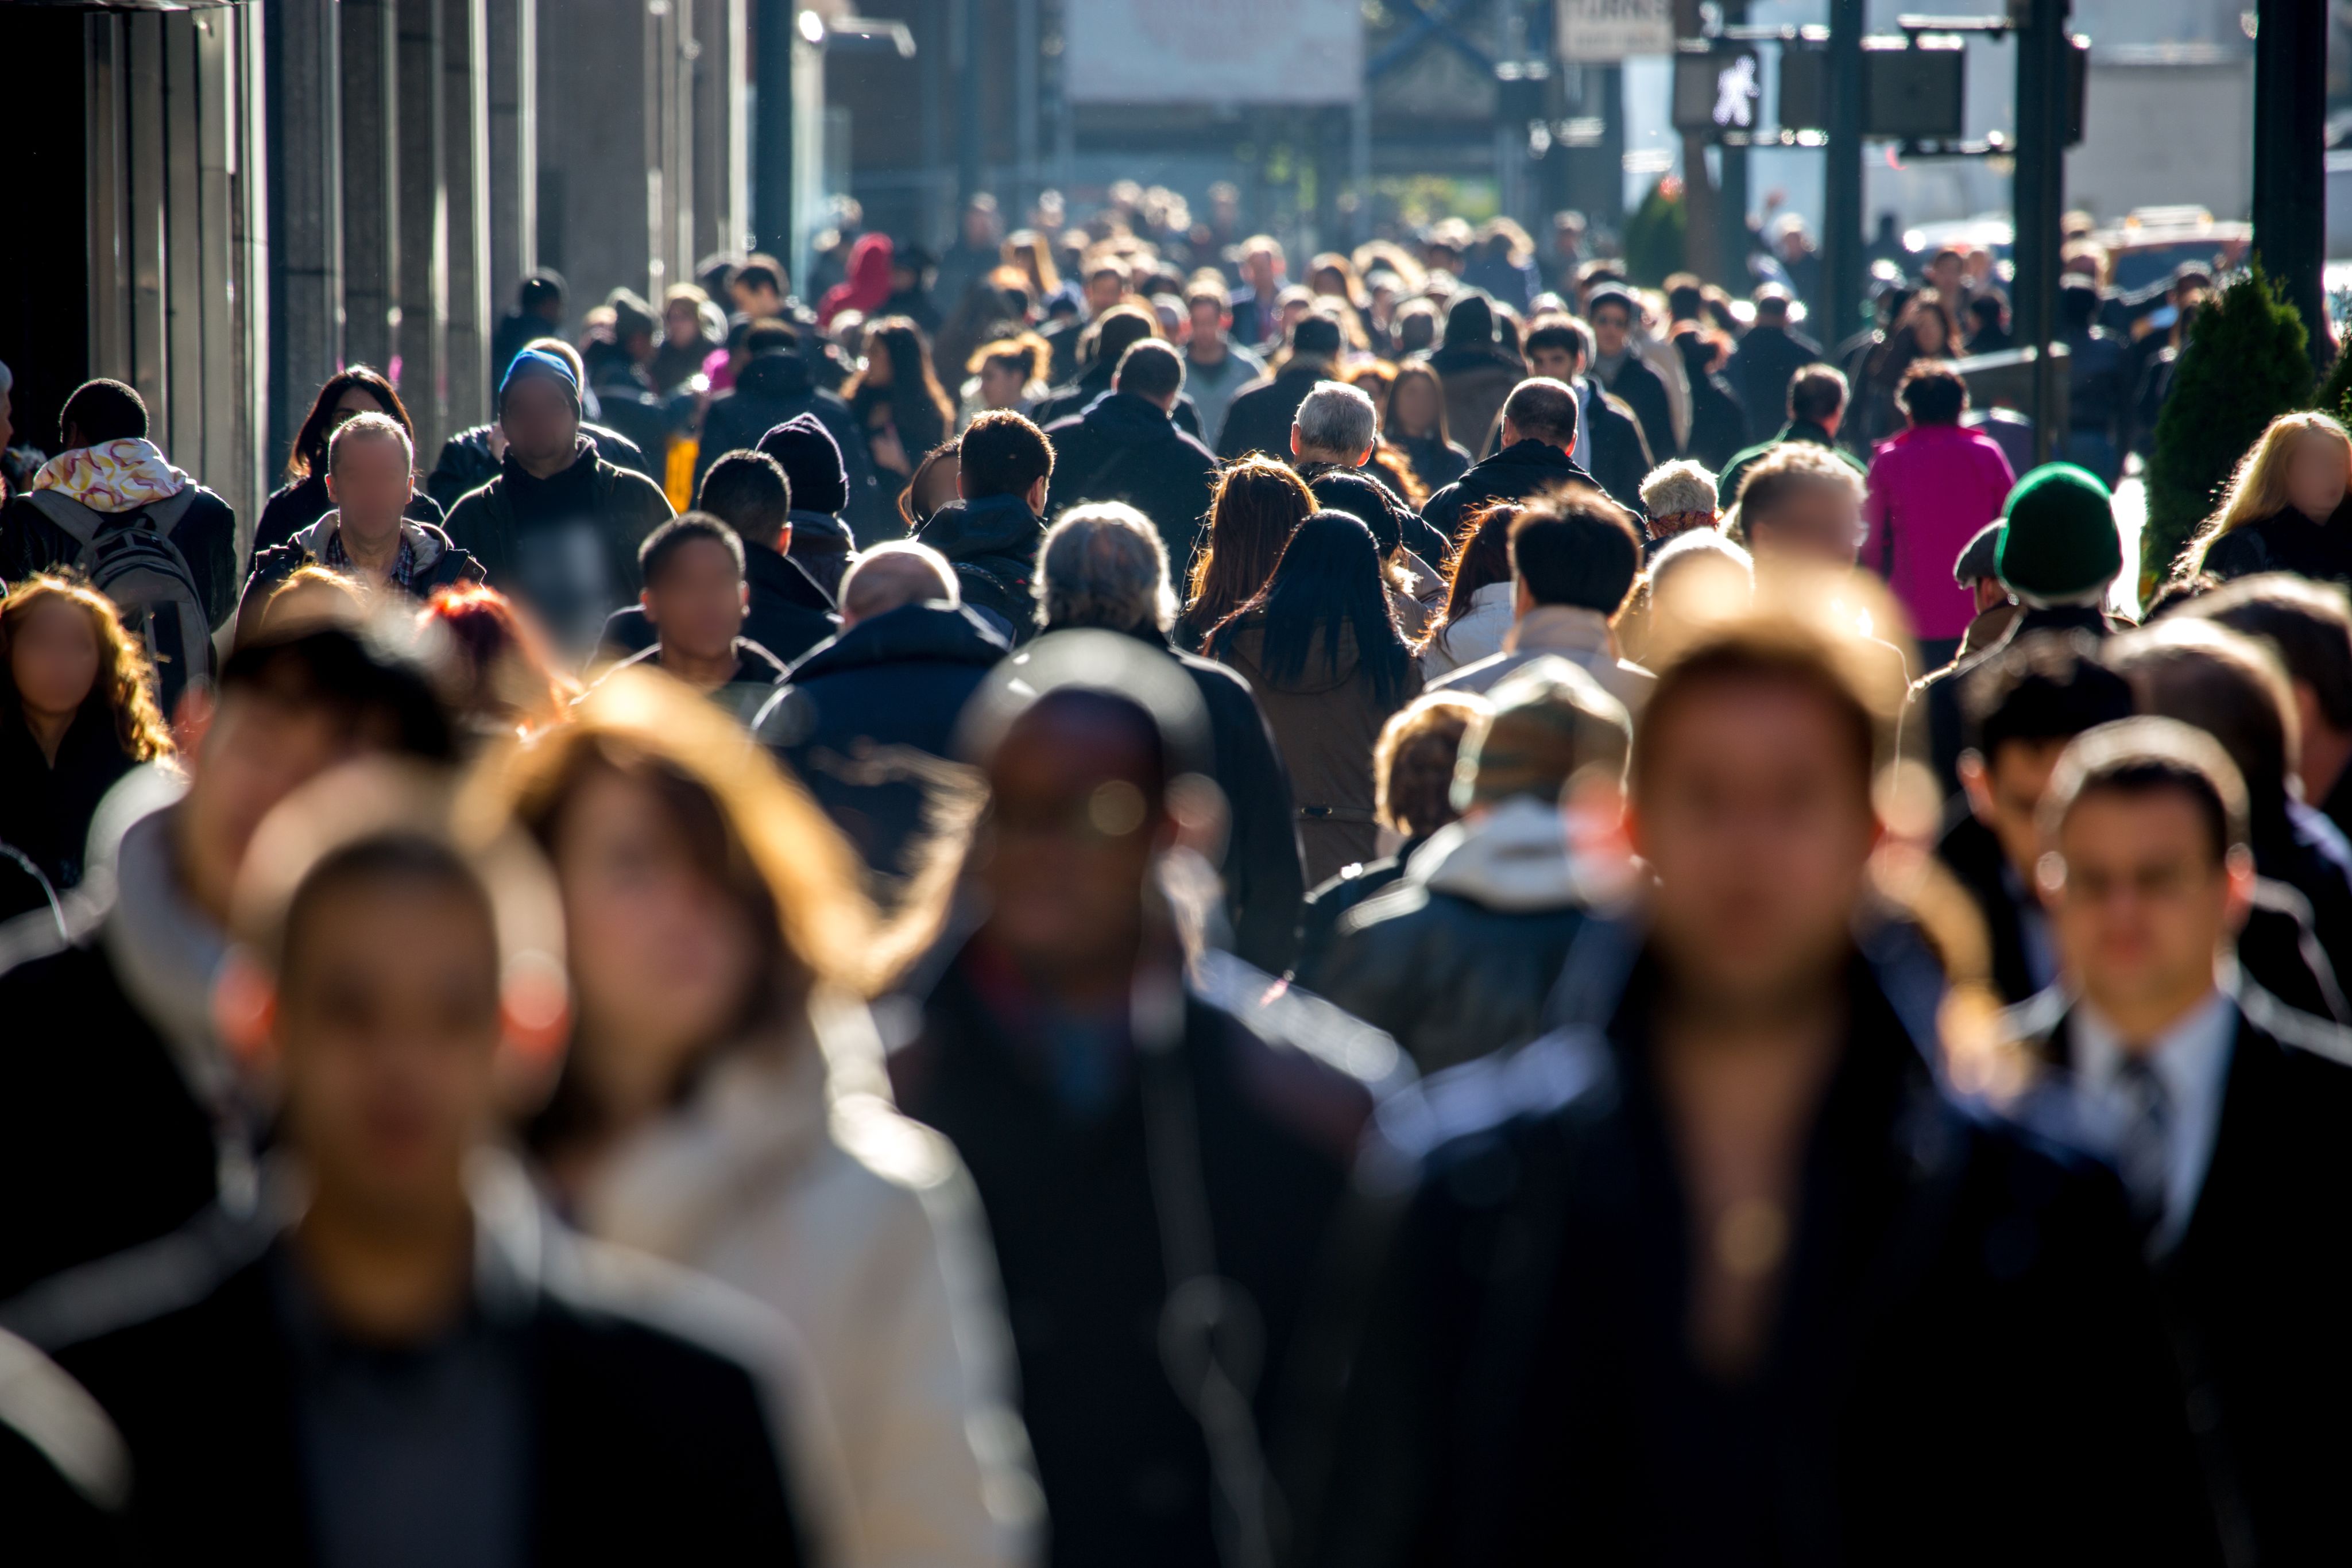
{"x": 131, "y": 559}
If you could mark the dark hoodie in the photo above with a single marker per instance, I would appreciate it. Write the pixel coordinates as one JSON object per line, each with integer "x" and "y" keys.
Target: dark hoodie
{"x": 993, "y": 543}
{"x": 1478, "y": 373}
{"x": 1124, "y": 449}
{"x": 776, "y": 387}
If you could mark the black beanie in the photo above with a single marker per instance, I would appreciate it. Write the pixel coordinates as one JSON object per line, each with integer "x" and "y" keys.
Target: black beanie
{"x": 811, "y": 460}
{"x": 1469, "y": 321}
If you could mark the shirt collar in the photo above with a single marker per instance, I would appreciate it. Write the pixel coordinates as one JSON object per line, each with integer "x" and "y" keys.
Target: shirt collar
{"x": 2190, "y": 1059}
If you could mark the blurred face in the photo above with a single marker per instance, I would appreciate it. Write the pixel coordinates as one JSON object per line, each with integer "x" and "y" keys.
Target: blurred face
{"x": 2317, "y": 473}
{"x": 2138, "y": 902}
{"x": 257, "y": 749}
{"x": 1000, "y": 385}
{"x": 538, "y": 418}
{"x": 939, "y": 486}
{"x": 1209, "y": 321}
{"x": 1817, "y": 522}
{"x": 1068, "y": 843}
{"x": 54, "y": 656}
{"x": 369, "y": 483}
{"x": 1413, "y": 406}
{"x": 698, "y": 606}
{"x": 355, "y": 400}
{"x": 1944, "y": 274}
{"x": 2004, "y": 794}
{"x": 980, "y": 227}
{"x": 682, "y": 324}
{"x": 7, "y": 418}
{"x": 1556, "y": 363}
{"x": 1611, "y": 327}
{"x": 1265, "y": 274}
{"x": 756, "y": 299}
{"x": 387, "y": 1033}
{"x": 1759, "y": 823}
{"x": 1104, "y": 291}
{"x": 662, "y": 956}
{"x": 1927, "y": 332}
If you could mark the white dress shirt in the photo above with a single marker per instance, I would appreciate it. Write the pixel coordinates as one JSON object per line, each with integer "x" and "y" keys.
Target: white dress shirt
{"x": 2192, "y": 1060}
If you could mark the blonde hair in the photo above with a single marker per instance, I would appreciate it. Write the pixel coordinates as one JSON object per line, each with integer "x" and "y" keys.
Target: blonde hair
{"x": 126, "y": 681}
{"x": 2258, "y": 489}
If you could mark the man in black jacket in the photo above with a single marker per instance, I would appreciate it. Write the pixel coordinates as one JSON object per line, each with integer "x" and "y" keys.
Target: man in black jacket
{"x": 1109, "y": 337}
{"x": 559, "y": 528}
{"x": 774, "y": 385}
{"x": 1156, "y": 1166}
{"x": 1539, "y": 433}
{"x": 1622, "y": 369}
{"x": 1260, "y": 418}
{"x": 869, "y": 720}
{"x": 117, "y": 1101}
{"x": 1816, "y": 401}
{"x": 470, "y": 458}
{"x": 1006, "y": 469}
{"x": 2222, "y": 1110}
{"x": 693, "y": 601}
{"x": 788, "y": 613}
{"x": 1099, "y": 569}
{"x": 821, "y": 542}
{"x": 1766, "y": 361}
{"x": 1458, "y": 957}
{"x": 1719, "y": 1273}
{"x": 1608, "y": 438}
{"x": 1125, "y": 447}
{"x": 368, "y": 535}
{"x": 413, "y": 1359}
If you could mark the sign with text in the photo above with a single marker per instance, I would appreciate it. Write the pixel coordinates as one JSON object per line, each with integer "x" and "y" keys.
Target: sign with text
{"x": 1213, "y": 51}
{"x": 1603, "y": 32}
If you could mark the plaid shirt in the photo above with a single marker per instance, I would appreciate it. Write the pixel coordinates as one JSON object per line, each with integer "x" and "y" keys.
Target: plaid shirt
{"x": 403, "y": 566}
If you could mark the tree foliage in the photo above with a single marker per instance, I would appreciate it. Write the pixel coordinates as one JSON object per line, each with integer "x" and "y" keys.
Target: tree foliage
{"x": 2246, "y": 362}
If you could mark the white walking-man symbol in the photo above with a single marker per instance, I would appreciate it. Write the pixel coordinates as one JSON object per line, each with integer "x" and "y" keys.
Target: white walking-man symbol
{"x": 1736, "y": 92}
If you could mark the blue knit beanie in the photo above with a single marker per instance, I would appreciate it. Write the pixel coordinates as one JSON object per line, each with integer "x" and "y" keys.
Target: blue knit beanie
{"x": 539, "y": 362}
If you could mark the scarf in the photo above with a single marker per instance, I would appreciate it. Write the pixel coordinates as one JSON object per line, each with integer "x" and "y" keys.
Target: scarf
{"x": 113, "y": 477}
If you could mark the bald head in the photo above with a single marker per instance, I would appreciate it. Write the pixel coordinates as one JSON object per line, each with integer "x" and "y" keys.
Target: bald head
{"x": 889, "y": 576}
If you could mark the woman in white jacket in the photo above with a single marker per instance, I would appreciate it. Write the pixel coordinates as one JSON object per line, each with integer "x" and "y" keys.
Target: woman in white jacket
{"x": 1479, "y": 607}
{"x": 725, "y": 1107}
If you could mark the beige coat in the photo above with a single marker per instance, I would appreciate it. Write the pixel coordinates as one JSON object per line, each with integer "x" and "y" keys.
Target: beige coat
{"x": 789, "y": 1175}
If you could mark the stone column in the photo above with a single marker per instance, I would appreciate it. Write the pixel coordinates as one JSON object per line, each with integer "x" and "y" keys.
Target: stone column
{"x": 371, "y": 181}
{"x": 514, "y": 148}
{"x": 424, "y": 225}
{"x": 465, "y": 154}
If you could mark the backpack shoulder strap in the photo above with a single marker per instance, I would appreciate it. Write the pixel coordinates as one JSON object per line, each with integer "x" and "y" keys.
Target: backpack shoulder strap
{"x": 76, "y": 519}
{"x": 172, "y": 510}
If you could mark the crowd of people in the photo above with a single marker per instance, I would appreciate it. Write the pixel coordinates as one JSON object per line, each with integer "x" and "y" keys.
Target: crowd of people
{"x": 1450, "y": 915}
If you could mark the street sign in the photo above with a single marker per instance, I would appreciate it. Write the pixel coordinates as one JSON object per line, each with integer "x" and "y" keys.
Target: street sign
{"x": 1603, "y": 32}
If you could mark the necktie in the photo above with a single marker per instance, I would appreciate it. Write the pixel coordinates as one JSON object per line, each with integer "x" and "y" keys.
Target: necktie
{"x": 2144, "y": 1144}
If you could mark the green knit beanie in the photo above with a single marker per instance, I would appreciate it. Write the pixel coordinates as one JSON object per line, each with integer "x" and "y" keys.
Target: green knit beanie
{"x": 2058, "y": 535}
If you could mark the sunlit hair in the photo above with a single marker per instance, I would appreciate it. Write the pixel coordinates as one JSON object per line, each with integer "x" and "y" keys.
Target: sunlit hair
{"x": 311, "y": 592}
{"x": 753, "y": 832}
{"x": 897, "y": 342}
{"x": 2258, "y": 489}
{"x": 309, "y": 452}
{"x": 1259, "y": 503}
{"x": 1482, "y": 558}
{"x": 510, "y": 683}
{"x": 124, "y": 690}
{"x": 1764, "y": 650}
{"x": 1025, "y": 352}
{"x": 1413, "y": 762}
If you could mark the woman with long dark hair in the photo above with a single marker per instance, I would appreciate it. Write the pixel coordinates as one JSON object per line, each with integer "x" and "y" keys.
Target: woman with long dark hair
{"x": 77, "y": 712}
{"x": 1413, "y": 420}
{"x": 898, "y": 402}
{"x": 1319, "y": 645}
{"x": 1259, "y": 503}
{"x": 304, "y": 500}
{"x": 1925, "y": 328}
{"x": 1479, "y": 607}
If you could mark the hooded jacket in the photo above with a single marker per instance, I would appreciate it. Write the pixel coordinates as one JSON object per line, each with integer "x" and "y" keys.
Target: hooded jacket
{"x": 993, "y": 543}
{"x": 1582, "y": 637}
{"x": 787, "y": 1173}
{"x": 867, "y": 722}
{"x": 1457, "y": 958}
{"x": 465, "y": 464}
{"x": 776, "y": 387}
{"x": 440, "y": 564}
{"x": 498, "y": 523}
{"x": 118, "y": 477}
{"x": 1122, "y": 448}
{"x": 1326, "y": 719}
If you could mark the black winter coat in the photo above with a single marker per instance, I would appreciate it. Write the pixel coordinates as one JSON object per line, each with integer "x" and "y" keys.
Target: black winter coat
{"x": 790, "y": 612}
{"x": 867, "y": 722}
{"x": 1620, "y": 457}
{"x": 2287, "y": 541}
{"x": 44, "y": 809}
{"x": 1091, "y": 388}
{"x": 1514, "y": 473}
{"x": 465, "y": 464}
{"x": 519, "y": 529}
{"x": 1436, "y": 463}
{"x": 439, "y": 565}
{"x": 778, "y": 386}
{"x": 1644, "y": 390}
{"x": 1523, "y": 1391}
{"x": 1759, "y": 372}
{"x": 305, "y": 501}
{"x": 1259, "y": 419}
{"x": 1122, "y": 448}
{"x": 2266, "y": 1384}
{"x": 1072, "y": 1207}
{"x": 647, "y": 1396}
{"x": 993, "y": 543}
{"x": 1319, "y": 918}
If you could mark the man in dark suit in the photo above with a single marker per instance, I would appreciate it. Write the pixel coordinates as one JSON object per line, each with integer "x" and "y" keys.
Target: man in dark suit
{"x": 1717, "y": 1273}
{"x": 412, "y": 1359}
{"x": 2223, "y": 1112}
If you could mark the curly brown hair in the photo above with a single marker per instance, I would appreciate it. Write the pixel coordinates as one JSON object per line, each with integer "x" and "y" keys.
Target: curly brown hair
{"x": 125, "y": 688}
